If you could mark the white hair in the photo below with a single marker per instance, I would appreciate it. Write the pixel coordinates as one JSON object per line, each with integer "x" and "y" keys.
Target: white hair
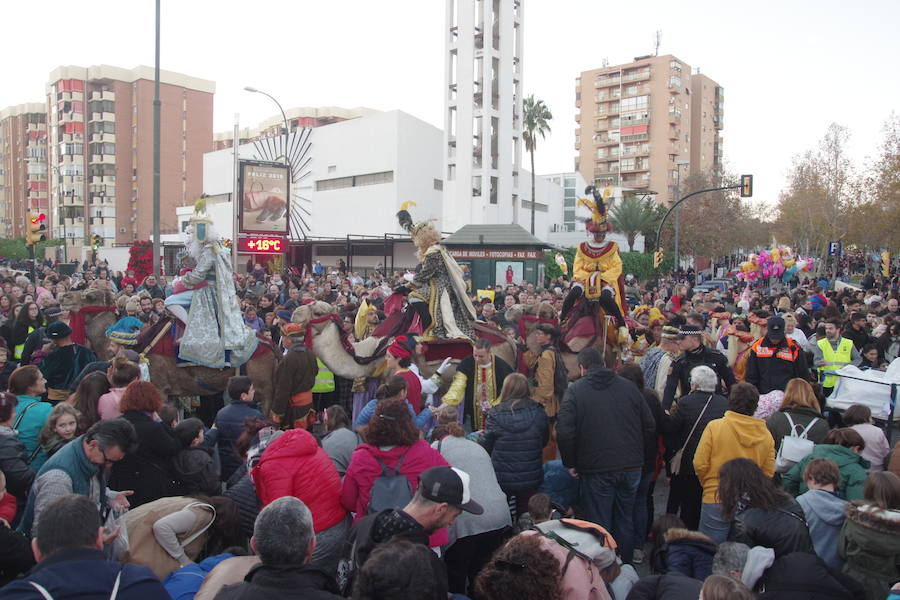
{"x": 704, "y": 379}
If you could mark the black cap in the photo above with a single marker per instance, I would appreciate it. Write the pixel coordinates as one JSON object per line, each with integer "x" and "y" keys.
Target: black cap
{"x": 775, "y": 328}
{"x": 450, "y": 485}
{"x": 57, "y": 330}
{"x": 689, "y": 329}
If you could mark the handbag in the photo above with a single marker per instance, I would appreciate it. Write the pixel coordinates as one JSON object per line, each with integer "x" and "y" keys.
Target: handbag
{"x": 675, "y": 461}
{"x": 794, "y": 447}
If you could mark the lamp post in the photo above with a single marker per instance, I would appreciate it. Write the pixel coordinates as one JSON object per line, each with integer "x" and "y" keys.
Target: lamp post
{"x": 283, "y": 116}
{"x": 156, "y": 154}
{"x": 678, "y": 166}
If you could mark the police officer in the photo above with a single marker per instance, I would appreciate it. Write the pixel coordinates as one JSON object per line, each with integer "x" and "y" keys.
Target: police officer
{"x": 775, "y": 359}
{"x": 690, "y": 340}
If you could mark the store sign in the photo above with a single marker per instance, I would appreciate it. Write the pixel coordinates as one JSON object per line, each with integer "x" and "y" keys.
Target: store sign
{"x": 261, "y": 245}
{"x": 265, "y": 198}
{"x": 499, "y": 254}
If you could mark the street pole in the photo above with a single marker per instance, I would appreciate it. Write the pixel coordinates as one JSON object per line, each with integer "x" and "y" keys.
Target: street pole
{"x": 236, "y": 194}
{"x": 677, "y": 219}
{"x": 156, "y": 153}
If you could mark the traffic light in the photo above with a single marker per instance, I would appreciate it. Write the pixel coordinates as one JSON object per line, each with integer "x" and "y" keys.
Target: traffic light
{"x": 35, "y": 228}
{"x": 96, "y": 241}
{"x": 886, "y": 263}
{"x": 746, "y": 186}
{"x": 657, "y": 258}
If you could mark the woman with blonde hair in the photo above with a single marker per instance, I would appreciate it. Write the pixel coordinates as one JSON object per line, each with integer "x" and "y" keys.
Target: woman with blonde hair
{"x": 793, "y": 332}
{"x": 798, "y": 409}
{"x": 515, "y": 433}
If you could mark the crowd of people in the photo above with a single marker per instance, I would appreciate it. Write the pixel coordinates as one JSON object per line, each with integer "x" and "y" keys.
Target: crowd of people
{"x": 482, "y": 479}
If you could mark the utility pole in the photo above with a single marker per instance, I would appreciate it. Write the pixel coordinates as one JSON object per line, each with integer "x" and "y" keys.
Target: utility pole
{"x": 678, "y": 166}
{"x": 156, "y": 153}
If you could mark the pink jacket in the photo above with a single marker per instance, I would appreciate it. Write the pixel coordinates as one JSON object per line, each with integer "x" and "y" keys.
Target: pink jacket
{"x": 108, "y": 404}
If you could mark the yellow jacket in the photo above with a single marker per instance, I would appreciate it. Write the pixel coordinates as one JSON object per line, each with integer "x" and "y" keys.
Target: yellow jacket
{"x": 604, "y": 261}
{"x": 733, "y": 436}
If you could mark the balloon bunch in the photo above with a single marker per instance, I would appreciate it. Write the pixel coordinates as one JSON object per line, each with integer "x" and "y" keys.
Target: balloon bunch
{"x": 777, "y": 262}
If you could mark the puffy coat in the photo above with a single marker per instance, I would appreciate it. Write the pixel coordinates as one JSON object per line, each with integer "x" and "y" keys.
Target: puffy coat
{"x": 784, "y": 529}
{"x": 230, "y": 423}
{"x": 148, "y": 471}
{"x": 243, "y": 494}
{"x": 870, "y": 547}
{"x": 851, "y": 465}
{"x": 196, "y": 472}
{"x": 295, "y": 465}
{"x": 801, "y": 416}
{"x": 687, "y": 552}
{"x": 678, "y": 424}
{"x": 515, "y": 439}
{"x": 14, "y": 464}
{"x": 364, "y": 469}
{"x": 804, "y": 576}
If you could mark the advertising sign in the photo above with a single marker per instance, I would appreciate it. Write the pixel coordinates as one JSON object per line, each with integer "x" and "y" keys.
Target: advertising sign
{"x": 509, "y": 273}
{"x": 261, "y": 245}
{"x": 265, "y": 203}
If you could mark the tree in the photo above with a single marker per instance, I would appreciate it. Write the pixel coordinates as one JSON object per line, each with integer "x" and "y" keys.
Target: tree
{"x": 535, "y": 117}
{"x": 633, "y": 216}
{"x": 875, "y": 220}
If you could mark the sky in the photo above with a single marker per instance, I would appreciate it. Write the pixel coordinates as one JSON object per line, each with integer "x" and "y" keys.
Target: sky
{"x": 789, "y": 67}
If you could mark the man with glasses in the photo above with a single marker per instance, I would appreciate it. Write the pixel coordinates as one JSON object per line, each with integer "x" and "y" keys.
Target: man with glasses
{"x": 78, "y": 468}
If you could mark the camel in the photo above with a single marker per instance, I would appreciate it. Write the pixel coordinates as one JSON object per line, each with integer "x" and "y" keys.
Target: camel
{"x": 328, "y": 345}
{"x": 98, "y": 314}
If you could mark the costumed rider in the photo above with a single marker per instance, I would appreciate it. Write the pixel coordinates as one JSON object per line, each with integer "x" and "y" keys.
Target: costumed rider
{"x": 437, "y": 291}
{"x": 215, "y": 334}
{"x": 477, "y": 383}
{"x": 597, "y": 268}
{"x": 292, "y": 399}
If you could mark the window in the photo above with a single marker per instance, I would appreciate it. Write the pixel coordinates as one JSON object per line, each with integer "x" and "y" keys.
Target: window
{"x": 570, "y": 182}
{"x": 332, "y": 168}
{"x": 438, "y": 184}
{"x": 635, "y": 103}
{"x": 325, "y": 185}
{"x": 627, "y": 164}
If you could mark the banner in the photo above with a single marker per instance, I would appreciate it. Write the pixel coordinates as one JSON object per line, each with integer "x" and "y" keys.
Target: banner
{"x": 265, "y": 203}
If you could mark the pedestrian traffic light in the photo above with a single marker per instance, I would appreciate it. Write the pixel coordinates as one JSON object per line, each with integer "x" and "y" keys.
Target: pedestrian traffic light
{"x": 96, "y": 241}
{"x": 657, "y": 258}
{"x": 886, "y": 263}
{"x": 35, "y": 228}
{"x": 746, "y": 186}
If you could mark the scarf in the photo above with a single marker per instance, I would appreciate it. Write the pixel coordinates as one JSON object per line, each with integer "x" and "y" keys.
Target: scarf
{"x": 76, "y": 321}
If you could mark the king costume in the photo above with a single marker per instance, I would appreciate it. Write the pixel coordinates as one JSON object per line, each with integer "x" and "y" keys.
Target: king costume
{"x": 215, "y": 334}
{"x": 478, "y": 387}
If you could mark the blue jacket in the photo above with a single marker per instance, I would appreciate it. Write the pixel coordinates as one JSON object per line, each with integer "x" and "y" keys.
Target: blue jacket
{"x": 687, "y": 552}
{"x": 29, "y": 427}
{"x": 824, "y": 513}
{"x": 230, "y": 423}
{"x": 515, "y": 439}
{"x": 422, "y": 420}
{"x": 184, "y": 583}
{"x": 85, "y": 573}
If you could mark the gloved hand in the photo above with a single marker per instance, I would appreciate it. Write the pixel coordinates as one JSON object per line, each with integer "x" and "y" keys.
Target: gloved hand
{"x": 409, "y": 276}
{"x": 429, "y": 401}
{"x": 444, "y": 366}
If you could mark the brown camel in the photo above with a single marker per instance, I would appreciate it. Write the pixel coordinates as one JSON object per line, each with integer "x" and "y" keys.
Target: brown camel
{"x": 95, "y": 323}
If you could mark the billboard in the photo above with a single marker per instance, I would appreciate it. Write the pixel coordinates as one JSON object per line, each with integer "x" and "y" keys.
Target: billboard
{"x": 265, "y": 203}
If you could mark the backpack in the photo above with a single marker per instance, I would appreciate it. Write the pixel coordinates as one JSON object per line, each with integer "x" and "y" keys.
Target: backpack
{"x": 391, "y": 489}
{"x": 794, "y": 447}
{"x": 582, "y": 539}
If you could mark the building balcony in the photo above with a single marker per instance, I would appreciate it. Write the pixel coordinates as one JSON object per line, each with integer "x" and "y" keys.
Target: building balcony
{"x": 636, "y": 168}
{"x": 103, "y": 159}
{"x": 96, "y": 179}
{"x": 104, "y": 116}
{"x": 635, "y": 183}
{"x": 674, "y": 133}
{"x": 634, "y": 122}
{"x": 637, "y": 76}
{"x": 605, "y": 180}
{"x": 70, "y": 180}
{"x": 637, "y": 137}
{"x": 605, "y": 142}
{"x": 674, "y": 116}
{"x": 103, "y": 137}
{"x": 607, "y": 82}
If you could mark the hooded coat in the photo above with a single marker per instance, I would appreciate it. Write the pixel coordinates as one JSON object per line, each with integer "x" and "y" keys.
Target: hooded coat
{"x": 733, "y": 436}
{"x": 295, "y": 465}
{"x": 825, "y": 517}
{"x": 851, "y": 465}
{"x": 515, "y": 439}
{"x": 870, "y": 545}
{"x": 783, "y": 529}
{"x": 687, "y": 552}
{"x": 805, "y": 576}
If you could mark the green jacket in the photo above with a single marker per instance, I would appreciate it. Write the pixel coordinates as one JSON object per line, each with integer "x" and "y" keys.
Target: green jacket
{"x": 870, "y": 545}
{"x": 851, "y": 465}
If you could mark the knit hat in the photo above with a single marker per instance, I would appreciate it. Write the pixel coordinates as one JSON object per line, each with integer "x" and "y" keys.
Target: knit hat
{"x": 124, "y": 331}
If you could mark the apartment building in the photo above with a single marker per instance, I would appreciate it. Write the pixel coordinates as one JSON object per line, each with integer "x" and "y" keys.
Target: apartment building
{"x": 298, "y": 118}
{"x": 100, "y": 130}
{"x": 638, "y": 125}
{"x": 23, "y": 166}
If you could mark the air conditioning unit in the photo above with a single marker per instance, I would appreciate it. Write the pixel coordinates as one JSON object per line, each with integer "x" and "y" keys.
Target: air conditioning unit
{"x": 122, "y": 230}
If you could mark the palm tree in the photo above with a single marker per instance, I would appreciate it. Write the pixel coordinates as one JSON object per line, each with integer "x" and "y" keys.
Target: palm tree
{"x": 534, "y": 122}
{"x": 634, "y": 216}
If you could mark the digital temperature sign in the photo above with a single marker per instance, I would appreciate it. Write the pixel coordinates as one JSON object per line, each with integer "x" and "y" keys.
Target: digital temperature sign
{"x": 261, "y": 245}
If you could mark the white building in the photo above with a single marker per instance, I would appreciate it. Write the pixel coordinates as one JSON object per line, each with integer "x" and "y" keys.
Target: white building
{"x": 359, "y": 174}
{"x": 482, "y": 123}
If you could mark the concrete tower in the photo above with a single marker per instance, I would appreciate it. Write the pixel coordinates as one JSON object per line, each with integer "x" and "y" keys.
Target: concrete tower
{"x": 483, "y": 121}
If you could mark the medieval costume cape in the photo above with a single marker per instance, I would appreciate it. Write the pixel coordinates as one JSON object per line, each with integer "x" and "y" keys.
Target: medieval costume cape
{"x": 595, "y": 267}
{"x": 215, "y": 325}
{"x": 477, "y": 386}
{"x": 439, "y": 282}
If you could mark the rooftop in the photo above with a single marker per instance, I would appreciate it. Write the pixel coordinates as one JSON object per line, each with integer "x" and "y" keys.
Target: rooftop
{"x": 493, "y": 235}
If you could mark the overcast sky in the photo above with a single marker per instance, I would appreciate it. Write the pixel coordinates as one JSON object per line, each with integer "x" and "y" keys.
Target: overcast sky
{"x": 789, "y": 67}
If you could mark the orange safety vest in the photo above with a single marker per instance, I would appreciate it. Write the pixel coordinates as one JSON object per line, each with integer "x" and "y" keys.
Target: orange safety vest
{"x": 788, "y": 353}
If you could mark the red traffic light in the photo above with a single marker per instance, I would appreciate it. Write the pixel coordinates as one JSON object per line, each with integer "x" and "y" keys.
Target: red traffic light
{"x": 38, "y": 218}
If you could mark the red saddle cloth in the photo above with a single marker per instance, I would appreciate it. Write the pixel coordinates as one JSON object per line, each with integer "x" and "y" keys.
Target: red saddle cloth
{"x": 168, "y": 343}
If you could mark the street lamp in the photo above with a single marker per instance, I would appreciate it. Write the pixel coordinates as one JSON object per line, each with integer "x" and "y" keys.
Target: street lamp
{"x": 283, "y": 116}
{"x": 678, "y": 166}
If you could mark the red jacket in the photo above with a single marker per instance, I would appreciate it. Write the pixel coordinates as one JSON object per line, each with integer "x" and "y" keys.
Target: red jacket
{"x": 413, "y": 389}
{"x": 295, "y": 465}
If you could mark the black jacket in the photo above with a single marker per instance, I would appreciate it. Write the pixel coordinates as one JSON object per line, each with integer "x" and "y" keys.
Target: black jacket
{"x": 196, "y": 472}
{"x": 651, "y": 442}
{"x": 686, "y": 552}
{"x": 230, "y": 423}
{"x": 677, "y": 425}
{"x": 515, "y": 439}
{"x": 243, "y": 493}
{"x": 804, "y": 576}
{"x": 14, "y": 464}
{"x": 784, "y": 529}
{"x": 85, "y": 573}
{"x": 16, "y": 556}
{"x": 601, "y": 424}
{"x": 671, "y": 586}
{"x": 768, "y": 371}
{"x": 148, "y": 471}
{"x": 288, "y": 582}
{"x": 859, "y": 337}
{"x": 681, "y": 372}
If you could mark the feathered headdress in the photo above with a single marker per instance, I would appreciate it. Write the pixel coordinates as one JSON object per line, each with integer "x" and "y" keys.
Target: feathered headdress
{"x": 406, "y": 221}
{"x": 200, "y": 215}
{"x": 597, "y": 206}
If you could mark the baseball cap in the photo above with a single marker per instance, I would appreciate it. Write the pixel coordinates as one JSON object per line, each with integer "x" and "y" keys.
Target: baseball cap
{"x": 775, "y": 328}
{"x": 450, "y": 485}
{"x": 57, "y": 330}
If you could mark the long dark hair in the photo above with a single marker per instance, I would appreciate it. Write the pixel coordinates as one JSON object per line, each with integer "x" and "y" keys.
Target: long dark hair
{"x": 391, "y": 425}
{"x": 391, "y": 388}
{"x": 225, "y": 530}
{"x": 24, "y": 319}
{"x": 87, "y": 395}
{"x": 742, "y": 484}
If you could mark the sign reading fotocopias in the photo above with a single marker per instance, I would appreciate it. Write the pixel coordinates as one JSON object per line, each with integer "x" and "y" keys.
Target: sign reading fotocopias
{"x": 265, "y": 203}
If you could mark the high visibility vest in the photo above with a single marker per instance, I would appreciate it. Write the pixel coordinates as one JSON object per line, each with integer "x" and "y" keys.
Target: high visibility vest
{"x": 834, "y": 359}
{"x": 324, "y": 379}
{"x": 19, "y": 348}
